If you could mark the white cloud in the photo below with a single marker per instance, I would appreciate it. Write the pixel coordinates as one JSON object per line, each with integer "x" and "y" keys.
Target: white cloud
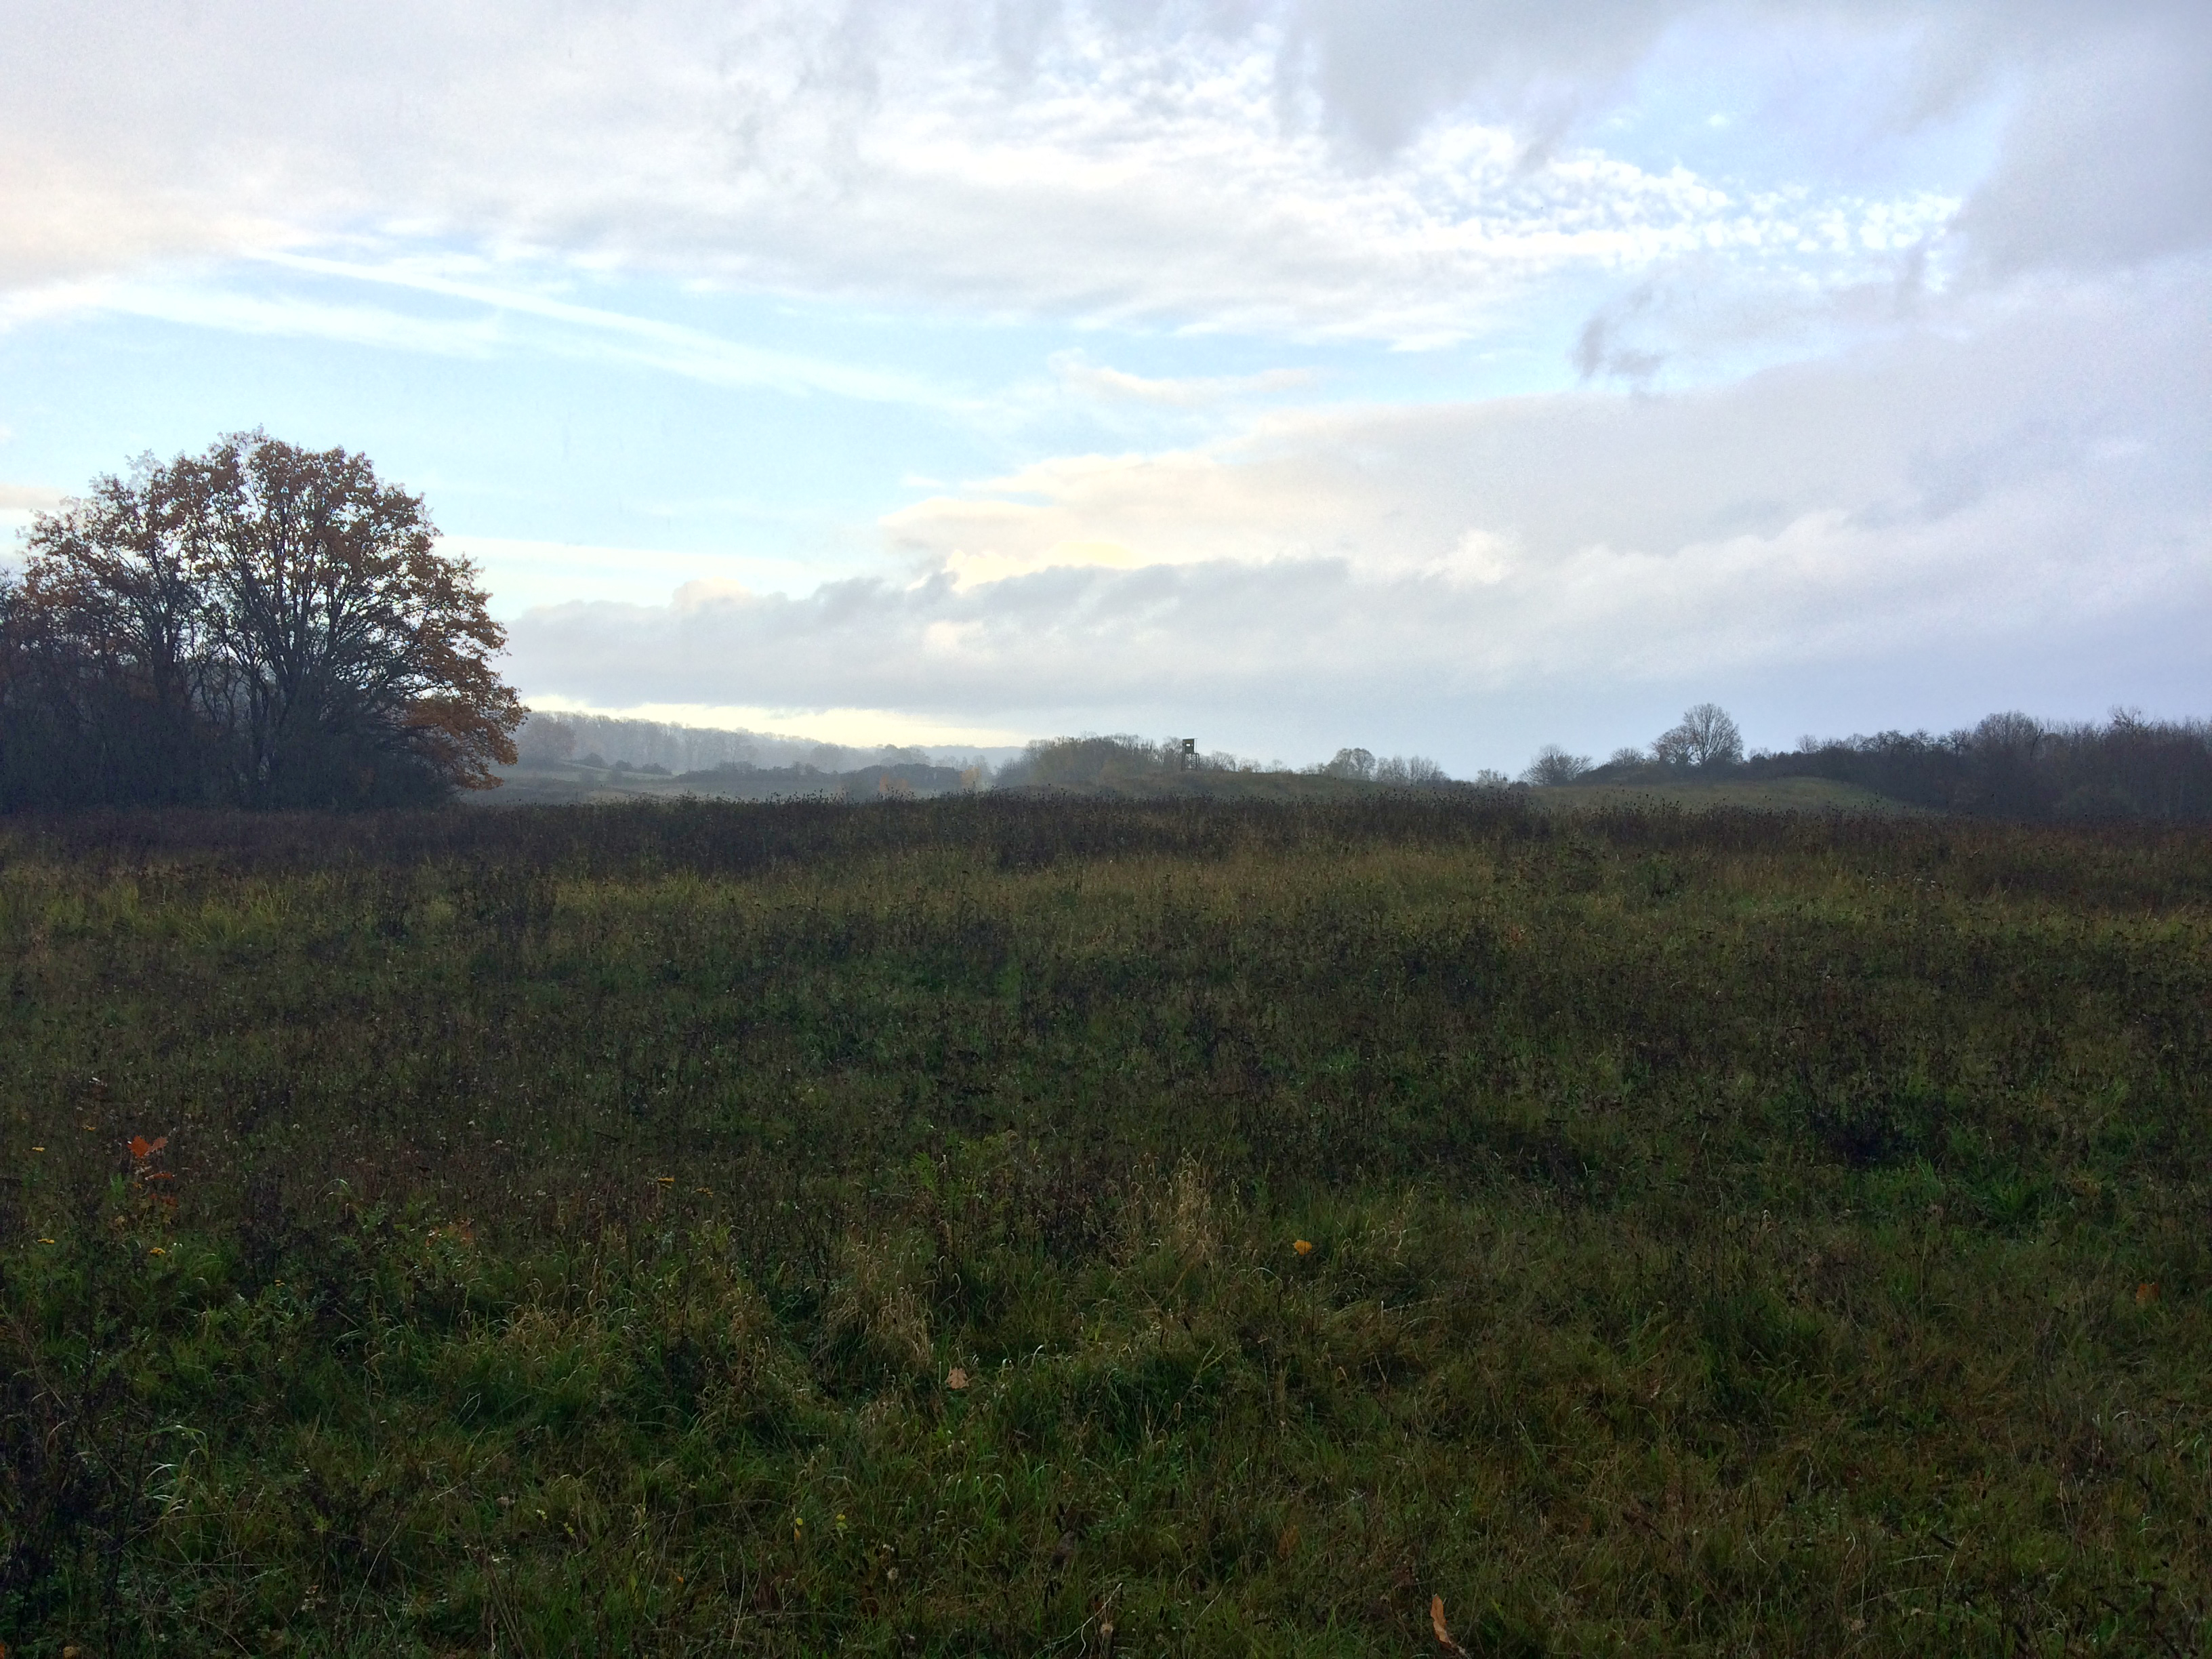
{"x": 1078, "y": 373}
{"x": 499, "y": 317}
{"x": 1144, "y": 172}
{"x": 19, "y": 504}
{"x": 2109, "y": 158}
{"x": 2007, "y": 494}
{"x": 520, "y": 574}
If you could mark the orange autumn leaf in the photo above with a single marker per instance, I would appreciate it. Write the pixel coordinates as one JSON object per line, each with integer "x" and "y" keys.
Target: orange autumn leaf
{"x": 1436, "y": 1623}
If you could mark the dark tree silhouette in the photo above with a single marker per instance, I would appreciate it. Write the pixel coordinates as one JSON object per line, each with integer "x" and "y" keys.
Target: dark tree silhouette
{"x": 262, "y": 623}
{"x": 1706, "y": 736}
{"x": 1555, "y": 765}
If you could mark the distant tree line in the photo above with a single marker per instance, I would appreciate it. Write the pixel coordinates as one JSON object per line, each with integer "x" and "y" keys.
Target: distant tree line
{"x": 1403, "y": 771}
{"x": 2012, "y": 766}
{"x": 260, "y": 625}
{"x": 1124, "y": 760}
{"x": 1118, "y": 758}
{"x": 2009, "y": 765}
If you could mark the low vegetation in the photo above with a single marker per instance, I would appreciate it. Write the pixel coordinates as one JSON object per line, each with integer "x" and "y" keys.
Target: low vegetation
{"x": 1013, "y": 1224}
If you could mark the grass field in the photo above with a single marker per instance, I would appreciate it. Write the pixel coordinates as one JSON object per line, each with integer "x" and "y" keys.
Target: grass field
{"x": 1763, "y": 795}
{"x": 1012, "y": 1226}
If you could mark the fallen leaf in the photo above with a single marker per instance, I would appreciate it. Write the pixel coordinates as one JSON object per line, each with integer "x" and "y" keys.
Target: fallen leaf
{"x": 2146, "y": 1293}
{"x": 1436, "y": 1623}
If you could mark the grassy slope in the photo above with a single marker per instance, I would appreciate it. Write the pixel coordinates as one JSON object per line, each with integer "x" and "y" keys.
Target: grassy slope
{"x": 1727, "y": 1232}
{"x": 1772, "y": 794}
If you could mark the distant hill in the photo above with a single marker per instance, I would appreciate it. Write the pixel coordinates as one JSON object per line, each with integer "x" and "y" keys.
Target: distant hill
{"x": 605, "y": 741}
{"x": 547, "y": 783}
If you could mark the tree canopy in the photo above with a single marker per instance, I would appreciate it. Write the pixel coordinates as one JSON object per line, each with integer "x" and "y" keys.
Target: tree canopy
{"x": 1708, "y": 736}
{"x": 261, "y": 624}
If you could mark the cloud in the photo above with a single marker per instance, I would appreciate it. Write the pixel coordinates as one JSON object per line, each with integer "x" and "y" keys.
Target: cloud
{"x": 19, "y": 504}
{"x": 2108, "y": 158}
{"x": 1381, "y": 70}
{"x": 1907, "y": 430}
{"x": 484, "y": 318}
{"x": 1078, "y": 374}
{"x": 668, "y": 346}
{"x": 1121, "y": 164}
{"x": 523, "y": 574}
{"x": 2025, "y": 493}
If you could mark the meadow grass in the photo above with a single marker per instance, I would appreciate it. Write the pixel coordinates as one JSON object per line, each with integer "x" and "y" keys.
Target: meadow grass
{"x": 1756, "y": 794}
{"x": 1022, "y": 1226}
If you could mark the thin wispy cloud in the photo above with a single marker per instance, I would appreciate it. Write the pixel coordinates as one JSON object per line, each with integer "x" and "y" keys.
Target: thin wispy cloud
{"x": 1115, "y": 177}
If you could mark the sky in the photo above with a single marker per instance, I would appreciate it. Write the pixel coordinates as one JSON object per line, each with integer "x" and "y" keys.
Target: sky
{"x": 1447, "y": 377}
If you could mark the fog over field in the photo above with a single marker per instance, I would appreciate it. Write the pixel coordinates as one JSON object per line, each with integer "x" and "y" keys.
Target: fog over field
{"x": 1444, "y": 378}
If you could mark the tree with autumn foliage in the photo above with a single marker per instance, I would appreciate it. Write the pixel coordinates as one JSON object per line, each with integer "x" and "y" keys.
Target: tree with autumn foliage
{"x": 259, "y": 624}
